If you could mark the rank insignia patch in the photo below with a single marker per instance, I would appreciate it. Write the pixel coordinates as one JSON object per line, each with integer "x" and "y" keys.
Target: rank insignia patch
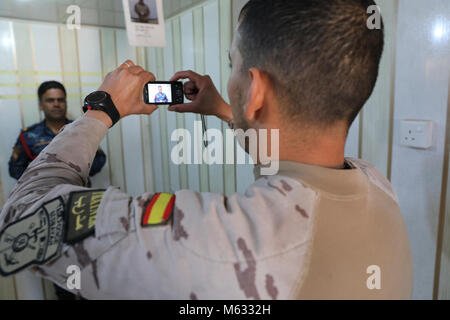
{"x": 33, "y": 240}
{"x": 81, "y": 214}
{"x": 16, "y": 154}
{"x": 158, "y": 210}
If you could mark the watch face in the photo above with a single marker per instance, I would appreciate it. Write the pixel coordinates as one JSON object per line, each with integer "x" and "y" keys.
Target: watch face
{"x": 96, "y": 97}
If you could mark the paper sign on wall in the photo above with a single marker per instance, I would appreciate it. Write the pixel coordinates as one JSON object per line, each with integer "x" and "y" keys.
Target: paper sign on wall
{"x": 145, "y": 23}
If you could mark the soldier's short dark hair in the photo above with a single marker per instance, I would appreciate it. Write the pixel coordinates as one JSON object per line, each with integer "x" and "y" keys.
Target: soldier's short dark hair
{"x": 45, "y": 86}
{"x": 320, "y": 55}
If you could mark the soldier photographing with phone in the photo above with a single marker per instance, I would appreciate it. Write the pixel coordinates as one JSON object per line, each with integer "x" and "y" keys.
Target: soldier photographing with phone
{"x": 309, "y": 232}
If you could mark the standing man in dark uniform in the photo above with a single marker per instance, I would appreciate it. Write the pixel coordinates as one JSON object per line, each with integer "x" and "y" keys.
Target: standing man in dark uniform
{"x": 32, "y": 140}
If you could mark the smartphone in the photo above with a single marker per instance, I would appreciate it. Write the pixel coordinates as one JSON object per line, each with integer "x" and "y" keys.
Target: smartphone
{"x": 164, "y": 93}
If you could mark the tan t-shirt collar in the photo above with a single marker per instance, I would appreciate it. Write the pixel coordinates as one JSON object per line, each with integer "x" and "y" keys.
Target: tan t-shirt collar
{"x": 339, "y": 182}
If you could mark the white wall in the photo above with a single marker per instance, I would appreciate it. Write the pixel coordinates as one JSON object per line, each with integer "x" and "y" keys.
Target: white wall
{"x": 106, "y": 13}
{"x": 421, "y": 92}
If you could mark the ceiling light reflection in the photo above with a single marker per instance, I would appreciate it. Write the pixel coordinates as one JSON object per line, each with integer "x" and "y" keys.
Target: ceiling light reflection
{"x": 439, "y": 30}
{"x": 6, "y": 41}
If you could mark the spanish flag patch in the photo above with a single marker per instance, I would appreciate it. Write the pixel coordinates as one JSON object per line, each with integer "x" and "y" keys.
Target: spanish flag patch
{"x": 158, "y": 210}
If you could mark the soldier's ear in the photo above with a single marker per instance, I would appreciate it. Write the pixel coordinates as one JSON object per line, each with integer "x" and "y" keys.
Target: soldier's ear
{"x": 256, "y": 96}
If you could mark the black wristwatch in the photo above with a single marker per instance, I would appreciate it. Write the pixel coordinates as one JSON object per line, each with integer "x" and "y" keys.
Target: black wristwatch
{"x": 101, "y": 100}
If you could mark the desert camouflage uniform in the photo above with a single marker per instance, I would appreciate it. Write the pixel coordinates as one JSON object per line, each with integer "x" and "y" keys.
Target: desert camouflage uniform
{"x": 256, "y": 245}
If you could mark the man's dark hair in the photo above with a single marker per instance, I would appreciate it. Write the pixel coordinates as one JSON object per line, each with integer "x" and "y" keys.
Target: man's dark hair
{"x": 44, "y": 87}
{"x": 320, "y": 54}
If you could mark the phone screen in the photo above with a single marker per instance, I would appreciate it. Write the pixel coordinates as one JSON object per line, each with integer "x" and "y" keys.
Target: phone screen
{"x": 159, "y": 93}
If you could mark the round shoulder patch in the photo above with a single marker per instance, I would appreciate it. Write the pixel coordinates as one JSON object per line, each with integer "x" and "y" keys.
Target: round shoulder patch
{"x": 34, "y": 239}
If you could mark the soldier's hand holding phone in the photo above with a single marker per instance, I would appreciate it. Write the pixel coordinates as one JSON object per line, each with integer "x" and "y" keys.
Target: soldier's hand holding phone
{"x": 205, "y": 98}
{"x": 125, "y": 85}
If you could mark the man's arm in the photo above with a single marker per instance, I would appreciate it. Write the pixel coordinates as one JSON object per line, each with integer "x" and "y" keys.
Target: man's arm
{"x": 205, "y": 98}
{"x": 121, "y": 259}
{"x": 64, "y": 165}
{"x": 125, "y": 86}
{"x": 19, "y": 161}
{"x": 205, "y": 251}
{"x": 60, "y": 170}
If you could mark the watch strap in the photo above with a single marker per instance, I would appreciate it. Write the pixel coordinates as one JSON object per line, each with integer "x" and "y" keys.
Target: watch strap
{"x": 106, "y": 105}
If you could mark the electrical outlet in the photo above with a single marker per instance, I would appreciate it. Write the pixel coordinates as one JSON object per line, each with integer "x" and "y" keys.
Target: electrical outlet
{"x": 416, "y": 134}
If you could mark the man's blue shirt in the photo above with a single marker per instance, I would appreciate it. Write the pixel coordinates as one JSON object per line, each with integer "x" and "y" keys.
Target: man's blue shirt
{"x": 161, "y": 97}
{"x": 37, "y": 137}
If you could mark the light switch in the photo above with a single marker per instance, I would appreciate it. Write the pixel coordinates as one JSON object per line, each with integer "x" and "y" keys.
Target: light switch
{"x": 416, "y": 134}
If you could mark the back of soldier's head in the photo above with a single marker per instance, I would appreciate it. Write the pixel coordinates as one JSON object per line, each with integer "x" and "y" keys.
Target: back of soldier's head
{"x": 321, "y": 56}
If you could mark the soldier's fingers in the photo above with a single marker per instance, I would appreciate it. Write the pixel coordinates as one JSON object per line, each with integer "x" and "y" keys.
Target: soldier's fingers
{"x": 190, "y": 88}
{"x": 136, "y": 70}
{"x": 148, "y": 108}
{"x": 146, "y": 76}
{"x": 126, "y": 65}
{"x": 191, "y": 75}
{"x": 183, "y": 108}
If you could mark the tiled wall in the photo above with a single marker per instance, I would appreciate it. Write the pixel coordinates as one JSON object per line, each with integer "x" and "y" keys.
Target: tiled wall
{"x": 106, "y": 13}
{"x": 93, "y": 12}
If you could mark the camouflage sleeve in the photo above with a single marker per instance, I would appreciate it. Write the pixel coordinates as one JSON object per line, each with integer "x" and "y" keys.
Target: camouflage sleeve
{"x": 213, "y": 247}
{"x": 98, "y": 163}
{"x": 207, "y": 247}
{"x": 18, "y": 162}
